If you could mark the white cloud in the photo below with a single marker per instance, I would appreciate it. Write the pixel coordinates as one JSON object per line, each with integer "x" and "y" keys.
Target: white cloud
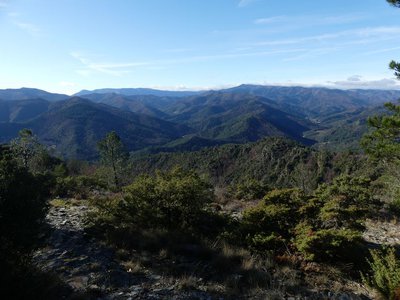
{"x": 243, "y": 3}
{"x": 314, "y": 52}
{"x": 311, "y": 20}
{"x": 358, "y": 82}
{"x": 354, "y": 78}
{"x": 270, "y": 20}
{"x": 119, "y": 69}
{"x": 382, "y": 51}
{"x": 369, "y": 34}
{"x": 115, "y": 69}
{"x": 30, "y": 28}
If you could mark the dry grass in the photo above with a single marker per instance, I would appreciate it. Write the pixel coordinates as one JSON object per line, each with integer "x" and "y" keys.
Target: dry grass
{"x": 222, "y": 195}
{"x": 65, "y": 202}
{"x": 187, "y": 282}
{"x": 122, "y": 254}
{"x": 163, "y": 254}
{"x": 134, "y": 267}
{"x": 95, "y": 266}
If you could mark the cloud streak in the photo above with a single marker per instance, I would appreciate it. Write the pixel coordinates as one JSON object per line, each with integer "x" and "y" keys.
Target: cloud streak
{"x": 243, "y": 3}
{"x": 115, "y": 69}
{"x": 119, "y": 69}
{"x": 30, "y": 28}
{"x": 382, "y": 51}
{"x": 311, "y": 20}
{"x": 352, "y": 82}
{"x": 358, "y": 82}
{"x": 377, "y": 32}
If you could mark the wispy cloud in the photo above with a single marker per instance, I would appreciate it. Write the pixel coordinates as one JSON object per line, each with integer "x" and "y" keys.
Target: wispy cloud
{"x": 115, "y": 69}
{"x": 119, "y": 69}
{"x": 30, "y": 28}
{"x": 353, "y": 82}
{"x": 16, "y": 18}
{"x": 381, "y": 51}
{"x": 3, "y": 4}
{"x": 271, "y": 20}
{"x": 312, "y": 53}
{"x": 243, "y": 3}
{"x": 358, "y": 82}
{"x": 380, "y": 32}
{"x": 354, "y": 78}
{"x": 311, "y": 20}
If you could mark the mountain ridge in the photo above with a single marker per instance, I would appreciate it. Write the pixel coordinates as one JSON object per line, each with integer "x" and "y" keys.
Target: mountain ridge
{"x": 74, "y": 127}
{"x": 242, "y": 114}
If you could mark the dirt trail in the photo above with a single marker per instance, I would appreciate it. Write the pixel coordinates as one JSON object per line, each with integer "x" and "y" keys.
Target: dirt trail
{"x": 90, "y": 268}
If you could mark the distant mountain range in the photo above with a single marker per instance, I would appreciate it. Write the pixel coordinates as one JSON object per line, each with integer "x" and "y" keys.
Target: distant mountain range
{"x": 74, "y": 127}
{"x": 236, "y": 118}
{"x": 139, "y": 92}
{"x": 319, "y": 102}
{"x": 153, "y": 121}
{"x": 29, "y": 93}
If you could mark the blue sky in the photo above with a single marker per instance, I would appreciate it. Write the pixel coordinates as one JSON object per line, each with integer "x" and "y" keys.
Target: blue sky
{"x": 69, "y": 45}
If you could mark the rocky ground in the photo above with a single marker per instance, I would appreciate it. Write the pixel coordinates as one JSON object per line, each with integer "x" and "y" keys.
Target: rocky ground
{"x": 91, "y": 269}
{"x": 383, "y": 232}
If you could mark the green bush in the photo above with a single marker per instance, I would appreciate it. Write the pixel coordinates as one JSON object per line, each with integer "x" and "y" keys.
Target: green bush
{"x": 325, "y": 227}
{"x": 271, "y": 222}
{"x": 328, "y": 244}
{"x": 78, "y": 187}
{"x": 394, "y": 206}
{"x": 334, "y": 230}
{"x": 23, "y": 205}
{"x": 250, "y": 189}
{"x": 385, "y": 273}
{"x": 171, "y": 200}
{"x": 346, "y": 202}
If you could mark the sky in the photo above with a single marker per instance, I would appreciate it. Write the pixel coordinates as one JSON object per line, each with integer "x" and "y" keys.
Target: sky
{"x": 68, "y": 45}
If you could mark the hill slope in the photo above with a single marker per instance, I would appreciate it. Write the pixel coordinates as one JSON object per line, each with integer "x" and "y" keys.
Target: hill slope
{"x": 276, "y": 161}
{"x": 29, "y": 93}
{"x": 22, "y": 110}
{"x": 75, "y": 126}
{"x": 147, "y": 104}
{"x": 236, "y": 118}
{"x": 139, "y": 91}
{"x": 318, "y": 102}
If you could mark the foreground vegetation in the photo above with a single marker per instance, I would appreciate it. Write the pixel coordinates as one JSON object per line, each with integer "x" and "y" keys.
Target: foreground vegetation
{"x": 284, "y": 227}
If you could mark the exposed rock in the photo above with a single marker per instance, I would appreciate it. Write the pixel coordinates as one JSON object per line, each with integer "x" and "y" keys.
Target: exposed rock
{"x": 382, "y": 232}
{"x": 88, "y": 266}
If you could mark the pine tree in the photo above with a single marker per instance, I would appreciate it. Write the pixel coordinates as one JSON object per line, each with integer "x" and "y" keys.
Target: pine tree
{"x": 384, "y": 141}
{"x": 25, "y": 147}
{"x": 113, "y": 155}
